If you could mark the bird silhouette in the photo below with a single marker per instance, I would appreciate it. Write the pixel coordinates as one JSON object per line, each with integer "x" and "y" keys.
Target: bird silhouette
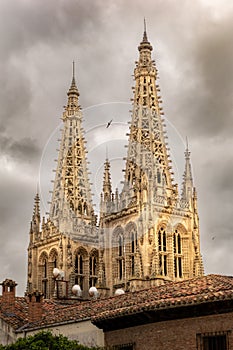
{"x": 109, "y": 123}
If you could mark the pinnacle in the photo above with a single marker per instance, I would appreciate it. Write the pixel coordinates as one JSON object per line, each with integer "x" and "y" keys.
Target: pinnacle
{"x": 73, "y": 87}
{"x": 145, "y": 34}
{"x": 145, "y": 44}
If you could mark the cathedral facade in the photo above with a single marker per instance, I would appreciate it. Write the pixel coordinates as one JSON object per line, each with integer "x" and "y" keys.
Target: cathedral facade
{"x": 147, "y": 234}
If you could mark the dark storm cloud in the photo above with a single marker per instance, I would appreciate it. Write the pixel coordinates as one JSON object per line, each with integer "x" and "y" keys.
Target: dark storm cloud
{"x": 25, "y": 149}
{"x": 209, "y": 95}
{"x": 25, "y": 23}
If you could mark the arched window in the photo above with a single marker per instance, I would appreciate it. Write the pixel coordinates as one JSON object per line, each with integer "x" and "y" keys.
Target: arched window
{"x": 120, "y": 257}
{"x": 177, "y": 254}
{"x": 52, "y": 263}
{"x": 44, "y": 280}
{"x": 118, "y": 252}
{"x": 43, "y": 274}
{"x": 162, "y": 243}
{"x": 93, "y": 261}
{"x": 79, "y": 267}
{"x": 134, "y": 243}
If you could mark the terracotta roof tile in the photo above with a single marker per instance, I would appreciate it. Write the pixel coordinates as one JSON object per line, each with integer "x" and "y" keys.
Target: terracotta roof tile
{"x": 171, "y": 295}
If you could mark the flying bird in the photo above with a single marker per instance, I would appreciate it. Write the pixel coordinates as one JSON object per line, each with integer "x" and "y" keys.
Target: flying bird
{"x": 109, "y": 123}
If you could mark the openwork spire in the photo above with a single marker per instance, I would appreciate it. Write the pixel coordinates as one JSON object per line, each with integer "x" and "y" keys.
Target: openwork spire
{"x": 71, "y": 198}
{"x": 147, "y": 159}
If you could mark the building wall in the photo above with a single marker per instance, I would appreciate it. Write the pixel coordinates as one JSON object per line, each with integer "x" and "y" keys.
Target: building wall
{"x": 7, "y": 335}
{"x": 175, "y": 334}
{"x": 85, "y": 332}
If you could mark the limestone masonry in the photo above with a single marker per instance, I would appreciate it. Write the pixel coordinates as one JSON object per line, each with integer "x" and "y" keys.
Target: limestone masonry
{"x": 146, "y": 235}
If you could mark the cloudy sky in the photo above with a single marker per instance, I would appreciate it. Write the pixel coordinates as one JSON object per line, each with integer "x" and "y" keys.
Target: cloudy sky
{"x": 193, "y": 49}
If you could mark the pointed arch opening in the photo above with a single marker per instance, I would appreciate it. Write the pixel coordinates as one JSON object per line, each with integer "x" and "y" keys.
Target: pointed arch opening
{"x": 177, "y": 249}
{"x": 43, "y": 274}
{"x": 93, "y": 268}
{"x": 131, "y": 248}
{"x": 52, "y": 263}
{"x": 80, "y": 267}
{"x": 162, "y": 248}
{"x": 118, "y": 254}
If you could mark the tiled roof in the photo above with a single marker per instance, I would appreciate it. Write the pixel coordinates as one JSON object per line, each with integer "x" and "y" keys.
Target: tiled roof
{"x": 175, "y": 294}
{"x": 171, "y": 295}
{"x": 17, "y": 318}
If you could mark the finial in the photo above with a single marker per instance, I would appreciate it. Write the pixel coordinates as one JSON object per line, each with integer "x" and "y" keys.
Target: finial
{"x": 145, "y": 34}
{"x": 187, "y": 152}
{"x": 37, "y": 188}
{"x": 106, "y": 152}
{"x": 73, "y": 74}
{"x": 73, "y": 88}
{"x": 187, "y": 145}
{"x": 144, "y": 24}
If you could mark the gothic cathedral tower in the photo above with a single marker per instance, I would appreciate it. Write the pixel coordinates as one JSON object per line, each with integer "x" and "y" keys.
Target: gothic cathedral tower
{"x": 147, "y": 235}
{"x": 151, "y": 234}
{"x": 68, "y": 240}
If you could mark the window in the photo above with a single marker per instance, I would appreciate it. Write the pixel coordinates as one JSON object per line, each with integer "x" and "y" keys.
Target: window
{"x": 134, "y": 243}
{"x": 162, "y": 241}
{"x": 93, "y": 270}
{"x": 120, "y": 257}
{"x": 79, "y": 269}
{"x": 213, "y": 341}
{"x": 44, "y": 280}
{"x": 177, "y": 254}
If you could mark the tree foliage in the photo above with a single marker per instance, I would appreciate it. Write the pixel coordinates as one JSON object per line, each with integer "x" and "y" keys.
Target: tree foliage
{"x": 46, "y": 341}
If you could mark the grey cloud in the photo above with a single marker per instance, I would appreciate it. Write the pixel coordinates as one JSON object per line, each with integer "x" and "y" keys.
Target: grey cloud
{"x": 25, "y": 149}
{"x": 209, "y": 103}
{"x": 33, "y": 22}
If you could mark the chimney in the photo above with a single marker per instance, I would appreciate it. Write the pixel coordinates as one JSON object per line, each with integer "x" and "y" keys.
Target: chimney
{"x": 35, "y": 302}
{"x": 8, "y": 296}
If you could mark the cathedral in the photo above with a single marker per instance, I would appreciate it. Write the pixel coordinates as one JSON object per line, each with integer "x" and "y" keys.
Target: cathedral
{"x": 146, "y": 235}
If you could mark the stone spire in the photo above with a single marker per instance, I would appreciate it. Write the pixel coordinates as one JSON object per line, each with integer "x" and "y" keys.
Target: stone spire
{"x": 73, "y": 94}
{"x": 36, "y": 215}
{"x": 107, "y": 185}
{"x": 71, "y": 199}
{"x": 187, "y": 190}
{"x": 147, "y": 159}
